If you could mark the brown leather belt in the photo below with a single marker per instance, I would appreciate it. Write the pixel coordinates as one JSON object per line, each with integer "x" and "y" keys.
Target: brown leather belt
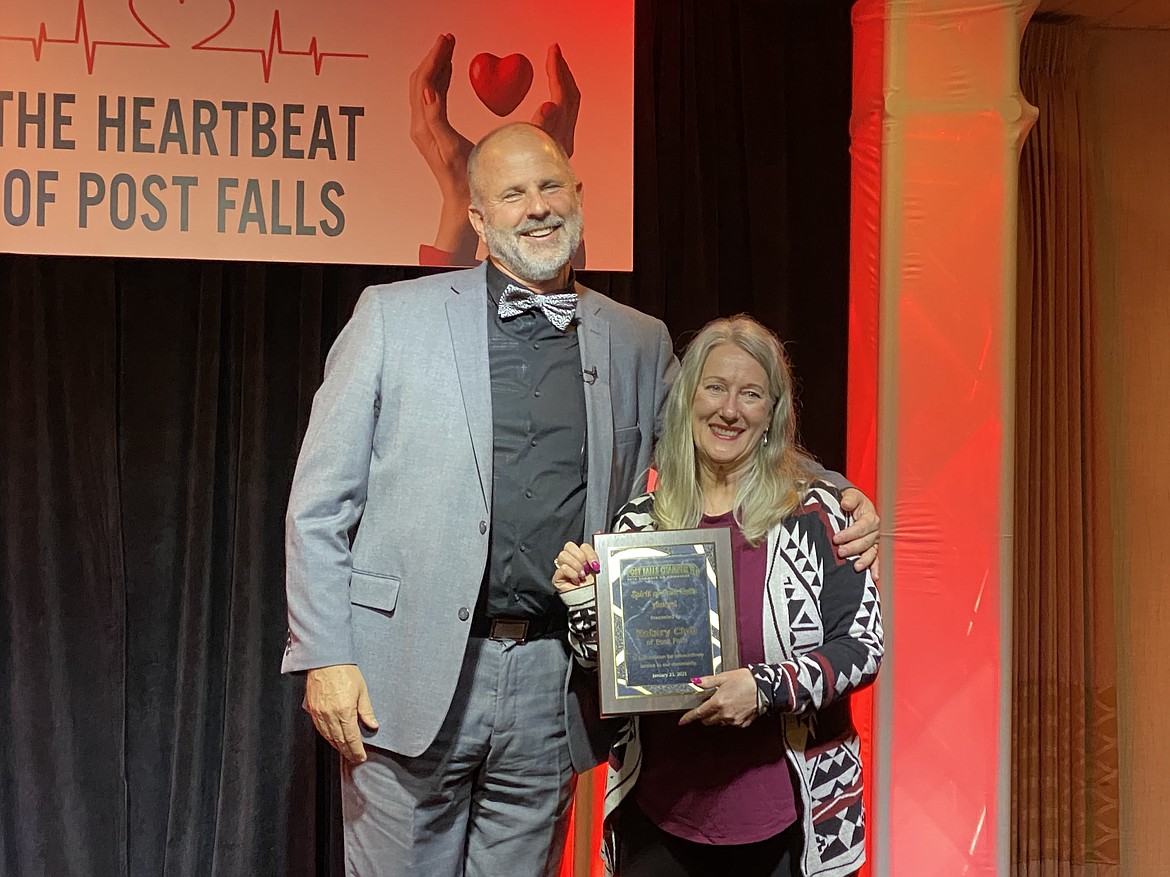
{"x": 518, "y": 630}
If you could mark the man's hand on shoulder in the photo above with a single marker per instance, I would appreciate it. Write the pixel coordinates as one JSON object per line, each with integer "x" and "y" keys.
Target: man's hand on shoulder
{"x": 337, "y": 699}
{"x": 860, "y": 538}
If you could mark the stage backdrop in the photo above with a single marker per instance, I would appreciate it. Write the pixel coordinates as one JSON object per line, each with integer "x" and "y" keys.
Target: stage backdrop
{"x": 298, "y": 131}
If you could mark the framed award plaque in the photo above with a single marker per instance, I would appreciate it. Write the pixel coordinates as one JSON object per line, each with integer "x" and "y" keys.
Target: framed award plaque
{"x": 665, "y": 614}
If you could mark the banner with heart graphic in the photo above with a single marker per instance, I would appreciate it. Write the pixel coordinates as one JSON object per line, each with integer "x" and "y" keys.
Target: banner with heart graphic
{"x": 299, "y": 131}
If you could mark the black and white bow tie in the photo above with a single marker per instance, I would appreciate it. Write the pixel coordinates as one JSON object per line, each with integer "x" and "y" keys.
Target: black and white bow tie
{"x": 559, "y": 307}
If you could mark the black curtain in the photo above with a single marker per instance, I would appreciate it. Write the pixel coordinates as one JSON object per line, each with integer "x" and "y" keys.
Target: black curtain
{"x": 152, "y": 415}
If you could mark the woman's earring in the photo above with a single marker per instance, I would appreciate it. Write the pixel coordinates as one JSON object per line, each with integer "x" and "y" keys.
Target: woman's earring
{"x": 765, "y": 438}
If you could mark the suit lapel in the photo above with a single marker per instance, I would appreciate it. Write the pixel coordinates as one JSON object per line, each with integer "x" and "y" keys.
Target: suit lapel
{"x": 467, "y": 320}
{"x": 593, "y": 340}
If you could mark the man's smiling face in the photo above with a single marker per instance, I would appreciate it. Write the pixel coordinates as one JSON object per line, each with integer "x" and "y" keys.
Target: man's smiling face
{"x": 527, "y": 206}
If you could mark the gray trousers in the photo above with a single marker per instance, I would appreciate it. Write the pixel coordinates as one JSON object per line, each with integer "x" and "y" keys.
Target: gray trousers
{"x": 491, "y": 795}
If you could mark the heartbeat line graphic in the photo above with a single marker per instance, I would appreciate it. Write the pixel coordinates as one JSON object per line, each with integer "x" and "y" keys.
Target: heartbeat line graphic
{"x": 275, "y": 46}
{"x": 81, "y": 38}
{"x": 267, "y": 55}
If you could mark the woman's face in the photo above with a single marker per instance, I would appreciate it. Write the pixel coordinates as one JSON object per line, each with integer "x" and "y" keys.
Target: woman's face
{"x": 731, "y": 409}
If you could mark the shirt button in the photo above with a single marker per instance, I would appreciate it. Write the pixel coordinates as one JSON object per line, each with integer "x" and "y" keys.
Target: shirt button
{"x": 483, "y": 527}
{"x": 463, "y": 613}
{"x": 515, "y": 598}
{"x": 536, "y": 347}
{"x": 523, "y": 547}
{"x": 536, "y": 393}
{"x": 533, "y": 443}
{"x": 528, "y": 493}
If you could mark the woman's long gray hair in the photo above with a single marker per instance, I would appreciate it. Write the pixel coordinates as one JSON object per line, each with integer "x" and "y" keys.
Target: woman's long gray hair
{"x": 772, "y": 487}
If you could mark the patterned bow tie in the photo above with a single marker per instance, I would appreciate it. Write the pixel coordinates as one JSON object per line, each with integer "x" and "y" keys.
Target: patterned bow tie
{"x": 559, "y": 307}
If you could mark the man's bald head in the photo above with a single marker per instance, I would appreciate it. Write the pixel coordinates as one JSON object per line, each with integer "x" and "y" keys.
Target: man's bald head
{"x": 508, "y": 140}
{"x": 526, "y": 204}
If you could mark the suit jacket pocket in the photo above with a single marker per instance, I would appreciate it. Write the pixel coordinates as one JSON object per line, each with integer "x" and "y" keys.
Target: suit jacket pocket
{"x": 627, "y": 434}
{"x": 374, "y": 591}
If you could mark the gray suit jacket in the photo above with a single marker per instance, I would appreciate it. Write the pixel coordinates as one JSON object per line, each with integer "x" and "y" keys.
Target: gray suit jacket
{"x": 399, "y": 444}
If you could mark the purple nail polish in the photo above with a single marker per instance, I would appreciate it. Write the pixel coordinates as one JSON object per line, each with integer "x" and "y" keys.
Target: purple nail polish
{"x": 696, "y": 680}
{"x": 595, "y": 565}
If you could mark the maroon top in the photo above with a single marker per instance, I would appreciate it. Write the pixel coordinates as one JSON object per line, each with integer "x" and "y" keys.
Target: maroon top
{"x": 713, "y": 784}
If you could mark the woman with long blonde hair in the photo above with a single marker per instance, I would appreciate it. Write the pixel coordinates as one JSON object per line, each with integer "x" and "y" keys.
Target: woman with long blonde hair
{"x": 764, "y": 777}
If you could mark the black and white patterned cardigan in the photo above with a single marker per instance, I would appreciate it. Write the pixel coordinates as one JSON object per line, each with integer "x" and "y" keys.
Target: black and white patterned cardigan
{"x": 822, "y": 641}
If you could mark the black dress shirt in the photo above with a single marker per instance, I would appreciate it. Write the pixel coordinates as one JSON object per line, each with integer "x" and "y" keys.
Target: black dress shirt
{"x": 538, "y": 463}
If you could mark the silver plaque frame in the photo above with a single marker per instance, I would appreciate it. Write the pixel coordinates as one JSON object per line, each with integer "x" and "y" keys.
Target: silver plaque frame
{"x": 665, "y": 613}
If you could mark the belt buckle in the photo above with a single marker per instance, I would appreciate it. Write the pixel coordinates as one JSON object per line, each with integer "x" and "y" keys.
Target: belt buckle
{"x": 515, "y": 629}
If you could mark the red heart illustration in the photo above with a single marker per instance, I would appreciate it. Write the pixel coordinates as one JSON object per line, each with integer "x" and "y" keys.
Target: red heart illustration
{"x": 500, "y": 83}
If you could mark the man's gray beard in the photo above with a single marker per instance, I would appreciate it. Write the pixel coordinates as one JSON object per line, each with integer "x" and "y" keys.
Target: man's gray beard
{"x": 507, "y": 248}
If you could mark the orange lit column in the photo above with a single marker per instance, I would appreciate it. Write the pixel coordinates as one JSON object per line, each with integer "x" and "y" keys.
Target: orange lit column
{"x": 864, "y": 243}
{"x": 935, "y": 142}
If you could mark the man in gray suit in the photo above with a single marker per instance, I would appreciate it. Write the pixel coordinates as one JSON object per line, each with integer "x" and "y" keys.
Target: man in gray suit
{"x": 472, "y": 422}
